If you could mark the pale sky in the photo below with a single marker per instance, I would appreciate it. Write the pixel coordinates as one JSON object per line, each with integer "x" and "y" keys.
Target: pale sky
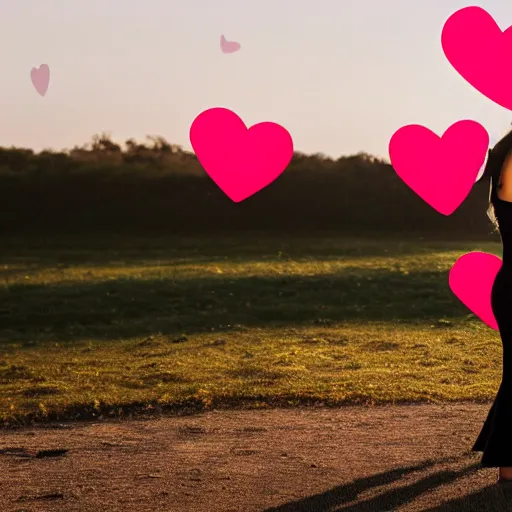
{"x": 340, "y": 75}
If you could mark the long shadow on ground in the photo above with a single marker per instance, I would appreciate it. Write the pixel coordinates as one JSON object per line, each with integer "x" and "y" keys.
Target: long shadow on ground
{"x": 136, "y": 307}
{"x": 342, "y": 498}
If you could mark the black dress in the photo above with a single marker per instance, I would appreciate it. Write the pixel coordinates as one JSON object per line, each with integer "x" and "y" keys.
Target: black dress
{"x": 495, "y": 439}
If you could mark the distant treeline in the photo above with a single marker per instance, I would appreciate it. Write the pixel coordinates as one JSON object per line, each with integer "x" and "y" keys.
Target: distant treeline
{"x": 157, "y": 188}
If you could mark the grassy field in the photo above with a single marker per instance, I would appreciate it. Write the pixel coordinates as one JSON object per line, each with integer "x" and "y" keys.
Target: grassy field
{"x": 87, "y": 329}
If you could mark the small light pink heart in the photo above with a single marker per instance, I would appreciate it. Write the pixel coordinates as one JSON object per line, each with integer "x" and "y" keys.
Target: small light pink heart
{"x": 441, "y": 170}
{"x": 228, "y": 46}
{"x": 41, "y": 78}
{"x": 477, "y": 48}
{"x": 240, "y": 161}
{"x": 471, "y": 279}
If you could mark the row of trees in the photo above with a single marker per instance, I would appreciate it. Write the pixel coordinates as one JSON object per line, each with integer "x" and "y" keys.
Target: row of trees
{"x": 159, "y": 188}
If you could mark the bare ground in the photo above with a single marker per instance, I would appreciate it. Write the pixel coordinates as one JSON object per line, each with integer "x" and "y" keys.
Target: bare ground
{"x": 374, "y": 459}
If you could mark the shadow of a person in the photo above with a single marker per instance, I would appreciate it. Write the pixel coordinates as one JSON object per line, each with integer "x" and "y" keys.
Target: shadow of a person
{"x": 334, "y": 499}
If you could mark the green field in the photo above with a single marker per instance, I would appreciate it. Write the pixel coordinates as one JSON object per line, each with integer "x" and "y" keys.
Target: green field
{"x": 87, "y": 329}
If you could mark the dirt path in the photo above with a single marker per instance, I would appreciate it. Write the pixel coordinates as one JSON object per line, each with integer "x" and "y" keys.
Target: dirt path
{"x": 391, "y": 458}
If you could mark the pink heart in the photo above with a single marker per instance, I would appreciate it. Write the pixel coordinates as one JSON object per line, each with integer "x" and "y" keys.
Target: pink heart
{"x": 240, "y": 161}
{"x": 476, "y": 47}
{"x": 441, "y": 170}
{"x": 41, "y": 78}
{"x": 228, "y": 46}
{"x": 471, "y": 279}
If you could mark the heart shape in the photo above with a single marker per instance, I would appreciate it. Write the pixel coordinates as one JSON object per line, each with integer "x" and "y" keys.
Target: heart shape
{"x": 228, "y": 46}
{"x": 471, "y": 279}
{"x": 240, "y": 161}
{"x": 441, "y": 170}
{"x": 476, "y": 47}
{"x": 40, "y": 78}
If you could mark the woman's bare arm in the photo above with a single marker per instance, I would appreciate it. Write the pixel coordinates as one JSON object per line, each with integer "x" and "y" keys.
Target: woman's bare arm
{"x": 504, "y": 190}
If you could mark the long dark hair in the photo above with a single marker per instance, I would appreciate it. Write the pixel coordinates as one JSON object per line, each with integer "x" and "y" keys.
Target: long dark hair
{"x": 495, "y": 160}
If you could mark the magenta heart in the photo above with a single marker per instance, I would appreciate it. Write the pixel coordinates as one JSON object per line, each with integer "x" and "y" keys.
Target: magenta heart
{"x": 477, "y": 48}
{"x": 471, "y": 279}
{"x": 240, "y": 161}
{"x": 441, "y": 170}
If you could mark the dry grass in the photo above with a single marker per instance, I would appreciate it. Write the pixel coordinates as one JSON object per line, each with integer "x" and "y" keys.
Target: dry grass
{"x": 201, "y": 323}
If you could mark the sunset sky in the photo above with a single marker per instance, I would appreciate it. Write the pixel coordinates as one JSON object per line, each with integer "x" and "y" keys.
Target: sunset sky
{"x": 340, "y": 75}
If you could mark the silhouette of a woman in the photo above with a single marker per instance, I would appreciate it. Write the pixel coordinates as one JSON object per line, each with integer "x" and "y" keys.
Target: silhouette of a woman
{"x": 495, "y": 439}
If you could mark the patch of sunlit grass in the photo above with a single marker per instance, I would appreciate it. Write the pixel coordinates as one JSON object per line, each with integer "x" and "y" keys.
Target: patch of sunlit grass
{"x": 330, "y": 323}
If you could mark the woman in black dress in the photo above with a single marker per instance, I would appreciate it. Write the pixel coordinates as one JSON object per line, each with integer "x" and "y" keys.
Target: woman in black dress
{"x": 495, "y": 439}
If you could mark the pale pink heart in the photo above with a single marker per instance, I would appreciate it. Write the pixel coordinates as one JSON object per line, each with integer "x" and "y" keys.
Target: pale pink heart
{"x": 471, "y": 279}
{"x": 228, "y": 46}
{"x": 441, "y": 170}
{"x": 240, "y": 161}
{"x": 41, "y": 78}
{"x": 479, "y": 51}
